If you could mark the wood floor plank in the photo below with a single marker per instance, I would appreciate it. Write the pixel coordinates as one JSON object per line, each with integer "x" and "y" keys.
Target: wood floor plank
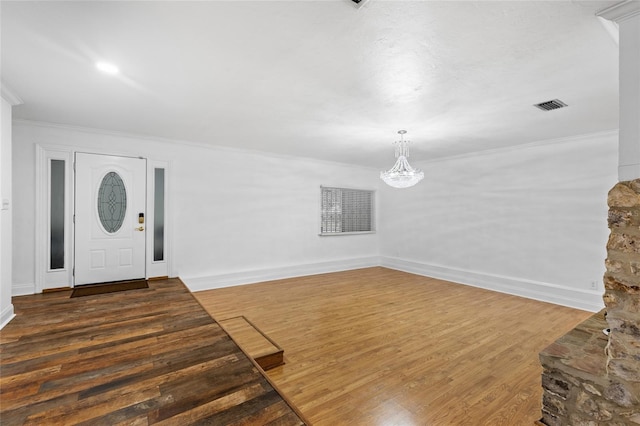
{"x": 133, "y": 357}
{"x": 377, "y": 346}
{"x": 364, "y": 347}
{"x": 254, "y": 342}
{"x": 248, "y": 336}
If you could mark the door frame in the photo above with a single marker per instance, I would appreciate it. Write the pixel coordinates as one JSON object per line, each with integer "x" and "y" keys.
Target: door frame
{"x": 46, "y": 278}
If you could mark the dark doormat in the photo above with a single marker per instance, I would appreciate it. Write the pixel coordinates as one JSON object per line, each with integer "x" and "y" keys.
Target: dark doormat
{"x": 93, "y": 289}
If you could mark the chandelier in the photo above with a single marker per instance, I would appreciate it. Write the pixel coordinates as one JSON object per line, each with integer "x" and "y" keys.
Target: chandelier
{"x": 402, "y": 175}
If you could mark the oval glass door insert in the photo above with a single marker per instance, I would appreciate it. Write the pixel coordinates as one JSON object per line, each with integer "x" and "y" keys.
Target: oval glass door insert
{"x": 112, "y": 202}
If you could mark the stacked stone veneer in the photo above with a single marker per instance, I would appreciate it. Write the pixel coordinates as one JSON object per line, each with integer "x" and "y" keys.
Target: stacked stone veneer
{"x": 590, "y": 378}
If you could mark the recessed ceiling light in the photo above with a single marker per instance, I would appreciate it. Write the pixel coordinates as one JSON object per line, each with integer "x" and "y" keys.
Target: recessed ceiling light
{"x": 107, "y": 68}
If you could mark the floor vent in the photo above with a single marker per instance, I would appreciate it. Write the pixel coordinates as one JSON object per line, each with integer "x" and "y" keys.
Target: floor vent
{"x": 550, "y": 105}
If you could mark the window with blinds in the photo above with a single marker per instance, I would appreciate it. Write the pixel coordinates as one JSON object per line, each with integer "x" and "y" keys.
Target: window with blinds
{"x": 344, "y": 210}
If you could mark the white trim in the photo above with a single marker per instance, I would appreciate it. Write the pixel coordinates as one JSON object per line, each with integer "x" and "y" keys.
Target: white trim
{"x": 628, "y": 172}
{"x": 335, "y": 234}
{"x": 260, "y": 275}
{"x": 180, "y": 142}
{"x": 44, "y": 278}
{"x": 6, "y": 316}
{"x": 530, "y": 145}
{"x": 621, "y": 11}
{"x": 612, "y": 29}
{"x": 589, "y": 300}
{"x": 9, "y": 95}
{"x": 509, "y": 148}
{"x": 157, "y": 268}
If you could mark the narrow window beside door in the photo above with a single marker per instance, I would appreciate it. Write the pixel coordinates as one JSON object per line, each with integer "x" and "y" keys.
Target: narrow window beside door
{"x": 56, "y": 214}
{"x": 158, "y": 215}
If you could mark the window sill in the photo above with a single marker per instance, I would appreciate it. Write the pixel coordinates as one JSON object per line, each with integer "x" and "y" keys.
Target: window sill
{"x": 335, "y": 234}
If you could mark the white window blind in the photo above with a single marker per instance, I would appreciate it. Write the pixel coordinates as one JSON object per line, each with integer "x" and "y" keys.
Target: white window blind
{"x": 345, "y": 210}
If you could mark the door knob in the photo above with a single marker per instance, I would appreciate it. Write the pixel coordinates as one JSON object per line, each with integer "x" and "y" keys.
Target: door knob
{"x": 140, "y": 228}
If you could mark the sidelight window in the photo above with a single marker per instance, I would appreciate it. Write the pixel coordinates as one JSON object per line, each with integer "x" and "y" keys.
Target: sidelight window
{"x": 158, "y": 215}
{"x": 56, "y": 214}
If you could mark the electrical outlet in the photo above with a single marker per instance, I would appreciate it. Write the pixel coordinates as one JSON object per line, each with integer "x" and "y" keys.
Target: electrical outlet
{"x": 594, "y": 285}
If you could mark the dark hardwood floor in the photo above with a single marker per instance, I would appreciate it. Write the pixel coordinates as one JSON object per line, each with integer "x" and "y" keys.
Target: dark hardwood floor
{"x": 148, "y": 356}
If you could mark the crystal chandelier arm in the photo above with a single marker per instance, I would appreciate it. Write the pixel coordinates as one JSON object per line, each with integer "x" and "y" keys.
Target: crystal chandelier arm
{"x": 402, "y": 175}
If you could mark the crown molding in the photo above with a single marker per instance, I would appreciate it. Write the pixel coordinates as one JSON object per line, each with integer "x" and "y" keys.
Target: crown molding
{"x": 9, "y": 95}
{"x": 622, "y": 11}
{"x": 612, "y": 135}
{"x": 612, "y": 29}
{"x": 182, "y": 142}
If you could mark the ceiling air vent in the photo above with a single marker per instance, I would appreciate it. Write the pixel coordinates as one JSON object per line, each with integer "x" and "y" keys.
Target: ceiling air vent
{"x": 359, "y": 3}
{"x": 550, "y": 105}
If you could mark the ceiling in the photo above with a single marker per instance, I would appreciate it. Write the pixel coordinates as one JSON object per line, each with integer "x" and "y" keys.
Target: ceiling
{"x": 319, "y": 79}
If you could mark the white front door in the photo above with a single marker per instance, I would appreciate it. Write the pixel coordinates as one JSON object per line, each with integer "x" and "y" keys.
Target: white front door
{"x": 110, "y": 218}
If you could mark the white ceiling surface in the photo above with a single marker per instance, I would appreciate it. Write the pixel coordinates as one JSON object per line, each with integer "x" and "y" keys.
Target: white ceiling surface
{"x": 319, "y": 79}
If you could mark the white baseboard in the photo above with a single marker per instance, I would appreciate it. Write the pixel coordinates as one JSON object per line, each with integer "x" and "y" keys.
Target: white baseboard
{"x": 588, "y": 300}
{"x": 255, "y": 276}
{"x": 23, "y": 289}
{"x": 6, "y": 316}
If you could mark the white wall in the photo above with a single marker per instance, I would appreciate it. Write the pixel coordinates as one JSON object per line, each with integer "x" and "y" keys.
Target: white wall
{"x": 528, "y": 221}
{"x": 6, "y": 307}
{"x": 237, "y": 216}
{"x": 629, "y": 159}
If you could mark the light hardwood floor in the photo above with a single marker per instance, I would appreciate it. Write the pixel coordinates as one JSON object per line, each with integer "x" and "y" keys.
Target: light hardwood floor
{"x": 383, "y": 347}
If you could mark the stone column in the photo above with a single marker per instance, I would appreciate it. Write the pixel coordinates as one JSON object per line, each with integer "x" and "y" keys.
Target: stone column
{"x": 622, "y": 294}
{"x": 622, "y": 277}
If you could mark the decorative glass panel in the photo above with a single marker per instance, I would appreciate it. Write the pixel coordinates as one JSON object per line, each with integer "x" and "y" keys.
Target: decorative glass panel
{"x": 56, "y": 218}
{"x": 158, "y": 215}
{"x": 112, "y": 202}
